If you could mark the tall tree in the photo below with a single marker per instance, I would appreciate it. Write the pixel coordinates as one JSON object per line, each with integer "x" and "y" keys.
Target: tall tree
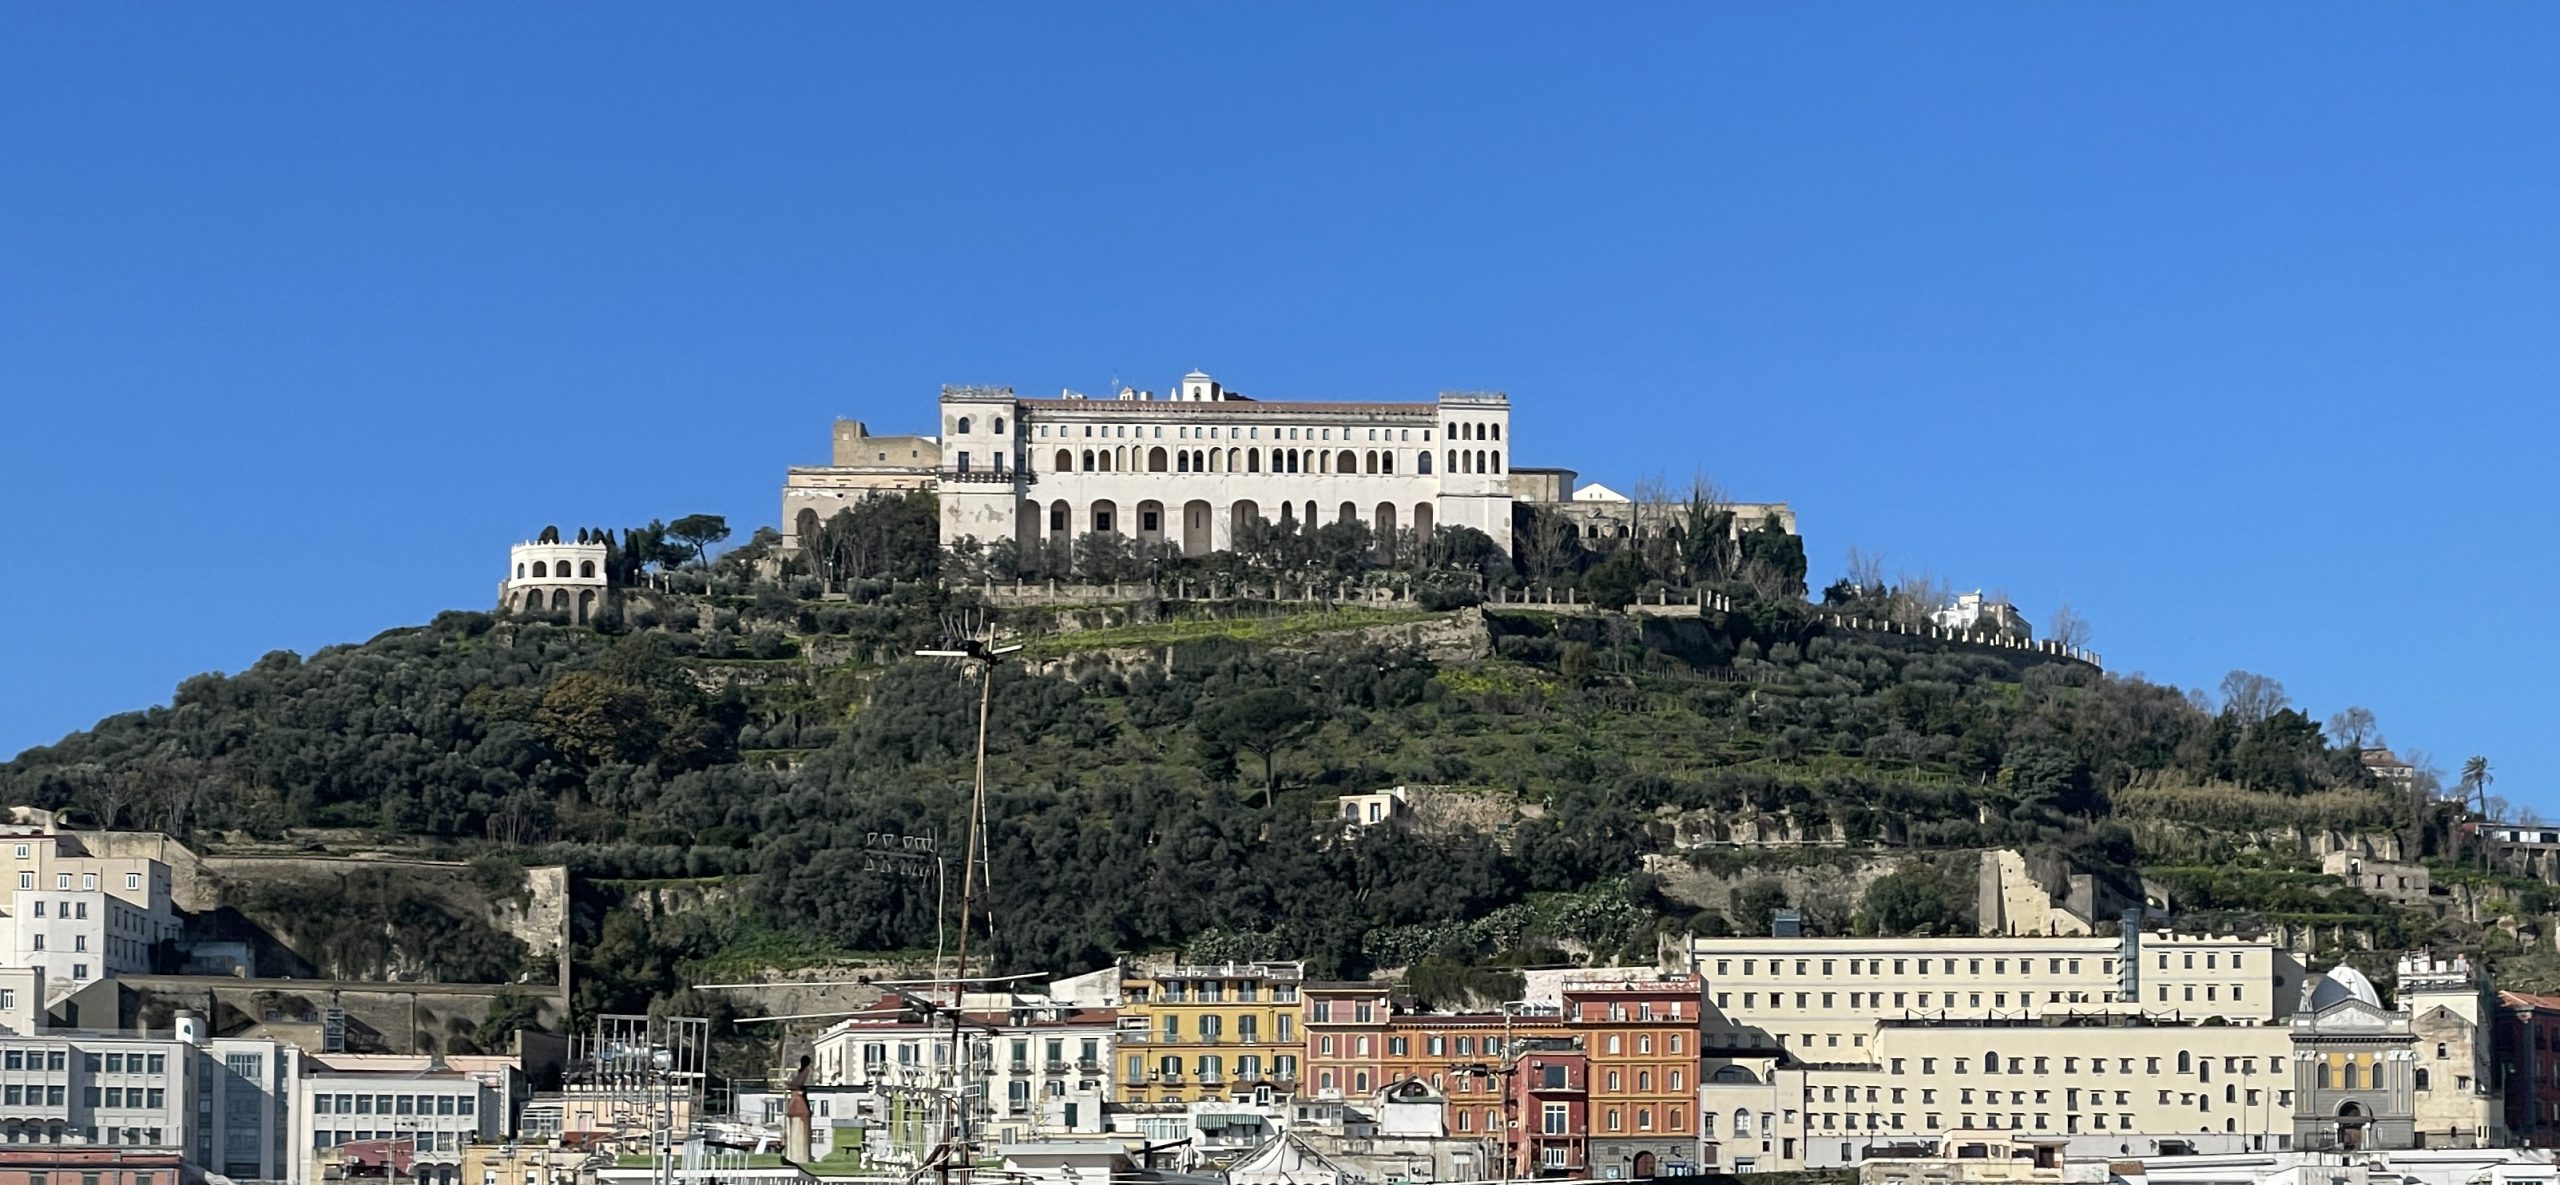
{"x": 1264, "y": 723}
{"x": 699, "y": 532}
{"x": 2351, "y": 726}
{"x": 2067, "y": 627}
{"x": 2476, "y": 780}
{"x": 2251, "y": 697}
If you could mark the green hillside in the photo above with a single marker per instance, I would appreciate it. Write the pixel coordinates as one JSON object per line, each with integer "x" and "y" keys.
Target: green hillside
{"x": 747, "y": 730}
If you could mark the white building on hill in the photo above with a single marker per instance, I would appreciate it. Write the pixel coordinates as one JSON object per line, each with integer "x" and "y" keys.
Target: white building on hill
{"x": 74, "y": 918}
{"x": 1187, "y": 469}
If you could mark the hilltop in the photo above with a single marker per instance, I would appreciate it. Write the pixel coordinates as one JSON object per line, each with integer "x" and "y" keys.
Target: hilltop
{"x": 726, "y": 745}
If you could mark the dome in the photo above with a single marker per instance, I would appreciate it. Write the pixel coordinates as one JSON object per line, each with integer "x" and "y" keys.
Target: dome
{"x": 2340, "y": 983}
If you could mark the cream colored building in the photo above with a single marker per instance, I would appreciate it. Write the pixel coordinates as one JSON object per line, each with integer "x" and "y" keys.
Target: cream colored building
{"x": 861, "y": 466}
{"x": 2454, "y": 1070}
{"x": 73, "y": 917}
{"x": 1820, "y": 998}
{"x": 1191, "y": 469}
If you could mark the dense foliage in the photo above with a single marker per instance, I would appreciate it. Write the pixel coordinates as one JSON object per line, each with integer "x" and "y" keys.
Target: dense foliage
{"x": 763, "y": 722}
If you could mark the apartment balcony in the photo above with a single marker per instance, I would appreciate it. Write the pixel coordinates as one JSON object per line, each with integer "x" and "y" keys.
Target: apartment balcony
{"x": 1086, "y": 1065}
{"x": 1210, "y": 1078}
{"x": 1020, "y": 1068}
{"x": 1054, "y": 1069}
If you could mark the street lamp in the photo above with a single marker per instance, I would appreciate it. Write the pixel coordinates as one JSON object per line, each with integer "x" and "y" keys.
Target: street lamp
{"x": 662, "y": 1060}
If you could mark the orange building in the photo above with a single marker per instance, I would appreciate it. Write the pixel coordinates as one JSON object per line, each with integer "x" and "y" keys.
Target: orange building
{"x": 1642, "y": 1037}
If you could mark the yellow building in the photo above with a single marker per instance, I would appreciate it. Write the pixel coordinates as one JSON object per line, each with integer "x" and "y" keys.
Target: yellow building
{"x": 1210, "y": 1032}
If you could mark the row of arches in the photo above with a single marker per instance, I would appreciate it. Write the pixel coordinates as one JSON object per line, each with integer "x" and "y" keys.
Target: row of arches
{"x": 544, "y": 570}
{"x": 1474, "y": 431}
{"x": 1478, "y": 461}
{"x": 1376, "y": 462}
{"x": 1196, "y": 525}
{"x": 579, "y": 604}
{"x": 964, "y": 424}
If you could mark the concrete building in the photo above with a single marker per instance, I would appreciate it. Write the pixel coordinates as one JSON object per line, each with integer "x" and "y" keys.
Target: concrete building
{"x": 1369, "y": 810}
{"x": 74, "y": 917}
{"x": 548, "y": 576}
{"x": 2407, "y": 884}
{"x": 862, "y": 466}
{"x": 1211, "y": 1032}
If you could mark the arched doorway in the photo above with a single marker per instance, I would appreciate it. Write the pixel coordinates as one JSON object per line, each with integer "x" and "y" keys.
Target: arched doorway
{"x": 1242, "y": 515}
{"x": 804, "y": 527}
{"x": 1643, "y": 1166}
{"x": 1195, "y": 528}
{"x": 586, "y": 606}
{"x": 1151, "y": 521}
{"x": 2351, "y": 1122}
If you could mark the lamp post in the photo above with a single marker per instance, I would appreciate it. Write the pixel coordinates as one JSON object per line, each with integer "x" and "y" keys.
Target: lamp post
{"x": 662, "y": 1060}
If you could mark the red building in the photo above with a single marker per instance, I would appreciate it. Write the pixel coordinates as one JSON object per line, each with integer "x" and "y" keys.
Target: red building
{"x": 62, "y": 1164}
{"x": 1644, "y": 1041}
{"x": 2528, "y": 1046}
{"x": 1551, "y": 1106}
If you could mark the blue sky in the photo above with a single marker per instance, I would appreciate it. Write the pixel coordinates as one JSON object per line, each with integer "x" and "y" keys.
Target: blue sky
{"x": 2234, "y": 327}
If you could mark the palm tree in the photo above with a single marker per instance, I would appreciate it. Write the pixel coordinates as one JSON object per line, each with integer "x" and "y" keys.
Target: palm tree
{"x": 2476, "y": 780}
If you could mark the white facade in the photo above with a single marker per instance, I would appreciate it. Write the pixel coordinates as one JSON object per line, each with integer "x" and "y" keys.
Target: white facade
{"x": 1191, "y": 469}
{"x": 74, "y": 918}
{"x": 555, "y": 578}
{"x": 1821, "y": 998}
{"x": 438, "y": 1111}
{"x": 220, "y": 1104}
{"x": 1045, "y": 1070}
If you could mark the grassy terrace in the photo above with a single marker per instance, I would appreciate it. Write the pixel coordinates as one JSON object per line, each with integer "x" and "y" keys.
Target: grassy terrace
{"x": 1276, "y": 628}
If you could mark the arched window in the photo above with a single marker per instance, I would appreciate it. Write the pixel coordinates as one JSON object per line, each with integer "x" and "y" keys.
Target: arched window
{"x": 1235, "y": 460}
{"x": 1741, "y": 1124}
{"x": 1497, "y": 460}
{"x": 2422, "y": 1079}
{"x": 587, "y": 569}
{"x": 1422, "y": 462}
{"x": 1346, "y": 462}
{"x": 964, "y": 425}
{"x": 541, "y": 569}
{"x": 1369, "y": 461}
{"x": 1497, "y": 431}
{"x": 1066, "y": 463}
{"x": 2185, "y": 1062}
{"x": 999, "y": 426}
{"x": 1387, "y": 461}
{"x": 2355, "y": 1076}
{"x": 1991, "y": 1062}
{"x": 1088, "y": 460}
{"x": 519, "y": 571}
{"x": 1253, "y": 460}
{"x": 2321, "y": 1076}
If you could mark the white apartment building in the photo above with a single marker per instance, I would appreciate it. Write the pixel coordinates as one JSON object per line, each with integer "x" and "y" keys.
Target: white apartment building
{"x": 437, "y": 1110}
{"x": 74, "y": 917}
{"x": 1042, "y": 1068}
{"x": 219, "y": 1103}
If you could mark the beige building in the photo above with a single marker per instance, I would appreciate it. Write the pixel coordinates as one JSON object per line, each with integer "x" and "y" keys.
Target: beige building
{"x": 2407, "y": 884}
{"x": 1820, "y": 998}
{"x": 74, "y": 917}
{"x": 2453, "y": 1065}
{"x": 863, "y": 465}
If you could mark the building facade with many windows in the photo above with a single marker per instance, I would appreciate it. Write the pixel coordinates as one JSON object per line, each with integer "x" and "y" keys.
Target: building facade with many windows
{"x": 77, "y": 917}
{"x": 1211, "y": 1032}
